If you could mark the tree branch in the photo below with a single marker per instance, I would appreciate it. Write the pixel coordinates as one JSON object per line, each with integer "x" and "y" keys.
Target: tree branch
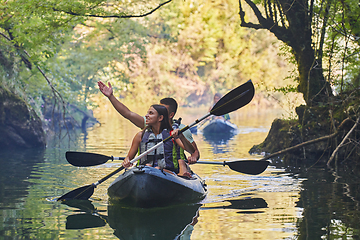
{"x": 258, "y": 14}
{"x": 55, "y": 92}
{"x": 113, "y": 16}
{"x": 306, "y": 143}
{"x": 342, "y": 142}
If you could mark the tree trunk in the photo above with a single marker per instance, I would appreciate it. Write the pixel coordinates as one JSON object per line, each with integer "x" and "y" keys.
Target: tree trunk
{"x": 291, "y": 21}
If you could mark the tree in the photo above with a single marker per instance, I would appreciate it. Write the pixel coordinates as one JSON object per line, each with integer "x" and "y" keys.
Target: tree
{"x": 310, "y": 28}
{"x": 33, "y": 35}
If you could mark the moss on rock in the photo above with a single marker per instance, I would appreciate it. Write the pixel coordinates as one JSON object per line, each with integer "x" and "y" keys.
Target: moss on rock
{"x": 314, "y": 123}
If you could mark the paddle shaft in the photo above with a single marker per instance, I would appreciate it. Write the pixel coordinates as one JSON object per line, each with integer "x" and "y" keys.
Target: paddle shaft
{"x": 216, "y": 163}
{"x": 132, "y": 161}
{"x": 149, "y": 150}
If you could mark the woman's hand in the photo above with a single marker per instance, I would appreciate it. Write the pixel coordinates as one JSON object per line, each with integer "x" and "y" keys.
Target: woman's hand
{"x": 126, "y": 163}
{"x": 175, "y": 133}
{"x": 106, "y": 90}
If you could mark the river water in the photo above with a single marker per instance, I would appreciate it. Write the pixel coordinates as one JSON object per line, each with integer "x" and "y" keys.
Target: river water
{"x": 280, "y": 203}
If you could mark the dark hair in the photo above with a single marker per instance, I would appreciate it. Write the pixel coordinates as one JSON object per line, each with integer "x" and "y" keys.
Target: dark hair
{"x": 171, "y": 103}
{"x": 165, "y": 123}
{"x": 219, "y": 95}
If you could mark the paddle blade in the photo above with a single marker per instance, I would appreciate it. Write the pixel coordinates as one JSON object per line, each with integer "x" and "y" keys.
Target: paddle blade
{"x": 235, "y": 99}
{"x": 252, "y": 167}
{"x": 84, "y": 159}
{"x": 82, "y": 193}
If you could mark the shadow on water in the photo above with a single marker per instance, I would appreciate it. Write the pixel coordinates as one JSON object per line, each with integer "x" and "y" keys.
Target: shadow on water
{"x": 16, "y": 168}
{"x": 135, "y": 223}
{"x": 247, "y": 205}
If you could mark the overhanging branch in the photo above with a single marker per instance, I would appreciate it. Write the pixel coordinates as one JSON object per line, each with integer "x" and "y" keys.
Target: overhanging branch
{"x": 112, "y": 16}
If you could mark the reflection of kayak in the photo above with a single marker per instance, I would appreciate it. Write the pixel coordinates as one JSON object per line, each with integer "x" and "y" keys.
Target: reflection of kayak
{"x": 134, "y": 223}
{"x": 150, "y": 187}
{"x": 219, "y": 126}
{"x": 153, "y": 223}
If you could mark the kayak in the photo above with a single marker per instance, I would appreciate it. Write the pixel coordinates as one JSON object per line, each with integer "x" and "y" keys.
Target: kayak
{"x": 148, "y": 187}
{"x": 219, "y": 126}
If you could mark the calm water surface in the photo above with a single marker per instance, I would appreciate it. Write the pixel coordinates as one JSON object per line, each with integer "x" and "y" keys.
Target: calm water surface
{"x": 277, "y": 204}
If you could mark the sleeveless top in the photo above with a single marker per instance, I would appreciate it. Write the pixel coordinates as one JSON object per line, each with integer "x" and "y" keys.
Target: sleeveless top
{"x": 166, "y": 156}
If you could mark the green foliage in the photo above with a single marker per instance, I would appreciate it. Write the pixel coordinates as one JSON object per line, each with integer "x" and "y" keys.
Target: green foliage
{"x": 198, "y": 48}
{"x": 71, "y": 50}
{"x": 341, "y": 47}
{"x": 187, "y": 49}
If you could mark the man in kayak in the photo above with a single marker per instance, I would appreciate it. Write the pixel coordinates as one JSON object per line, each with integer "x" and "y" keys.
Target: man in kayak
{"x": 226, "y": 116}
{"x": 140, "y": 121}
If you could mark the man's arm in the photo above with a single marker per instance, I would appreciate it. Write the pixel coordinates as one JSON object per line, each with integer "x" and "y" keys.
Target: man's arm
{"x": 182, "y": 141}
{"x": 195, "y": 155}
{"x": 133, "y": 117}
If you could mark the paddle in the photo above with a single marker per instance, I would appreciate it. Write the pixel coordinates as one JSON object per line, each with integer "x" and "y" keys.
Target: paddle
{"x": 228, "y": 103}
{"x": 252, "y": 167}
{"x": 85, "y": 159}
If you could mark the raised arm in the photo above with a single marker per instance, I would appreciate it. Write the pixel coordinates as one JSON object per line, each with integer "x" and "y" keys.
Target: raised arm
{"x": 133, "y": 117}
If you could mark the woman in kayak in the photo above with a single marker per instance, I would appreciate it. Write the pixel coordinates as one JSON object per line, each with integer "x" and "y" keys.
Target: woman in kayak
{"x": 165, "y": 157}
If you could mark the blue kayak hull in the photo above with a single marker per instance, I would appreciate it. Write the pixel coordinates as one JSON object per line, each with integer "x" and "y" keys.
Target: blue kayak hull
{"x": 148, "y": 187}
{"x": 219, "y": 126}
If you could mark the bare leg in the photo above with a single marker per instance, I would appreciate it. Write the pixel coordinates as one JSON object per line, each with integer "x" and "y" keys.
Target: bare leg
{"x": 183, "y": 169}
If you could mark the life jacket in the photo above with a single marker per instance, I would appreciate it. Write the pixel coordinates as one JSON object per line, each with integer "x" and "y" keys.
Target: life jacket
{"x": 176, "y": 125}
{"x": 166, "y": 156}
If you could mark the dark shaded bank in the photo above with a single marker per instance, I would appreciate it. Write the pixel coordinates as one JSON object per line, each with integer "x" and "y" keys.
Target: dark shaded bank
{"x": 323, "y": 135}
{"x": 322, "y": 147}
{"x": 20, "y": 127}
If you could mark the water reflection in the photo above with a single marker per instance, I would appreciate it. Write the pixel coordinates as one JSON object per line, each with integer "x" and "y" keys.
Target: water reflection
{"x": 16, "y": 168}
{"x": 331, "y": 203}
{"x": 247, "y": 205}
{"x": 87, "y": 216}
{"x": 218, "y": 141}
{"x": 136, "y": 223}
{"x": 158, "y": 223}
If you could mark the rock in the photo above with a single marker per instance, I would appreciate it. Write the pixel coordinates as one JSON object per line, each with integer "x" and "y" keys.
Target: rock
{"x": 314, "y": 123}
{"x": 20, "y": 127}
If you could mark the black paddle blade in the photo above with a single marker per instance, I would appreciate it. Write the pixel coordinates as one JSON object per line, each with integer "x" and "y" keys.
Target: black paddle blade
{"x": 252, "y": 167}
{"x": 84, "y": 159}
{"x": 235, "y": 99}
{"x": 82, "y": 193}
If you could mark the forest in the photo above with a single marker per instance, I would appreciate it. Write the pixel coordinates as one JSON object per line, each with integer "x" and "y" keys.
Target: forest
{"x": 52, "y": 53}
